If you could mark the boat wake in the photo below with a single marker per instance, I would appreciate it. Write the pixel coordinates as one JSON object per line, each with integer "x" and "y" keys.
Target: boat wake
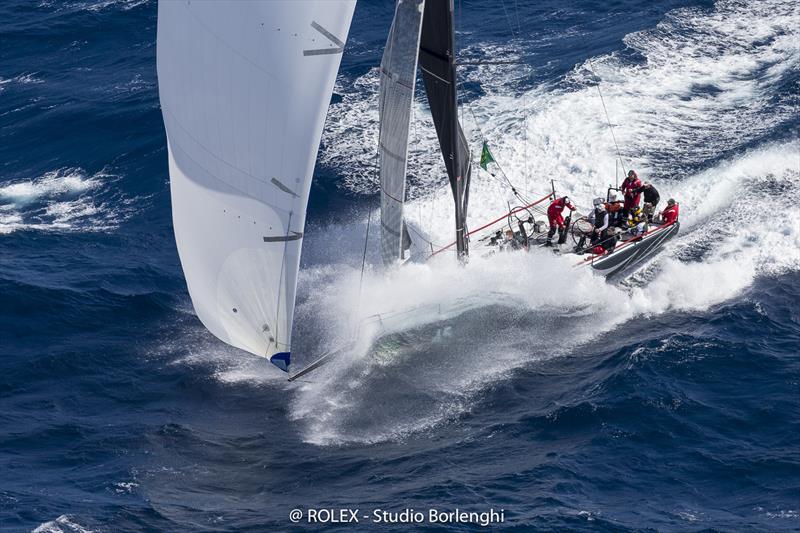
{"x": 432, "y": 338}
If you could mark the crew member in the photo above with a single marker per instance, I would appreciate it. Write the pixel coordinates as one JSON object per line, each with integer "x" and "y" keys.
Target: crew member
{"x": 649, "y": 211}
{"x": 651, "y": 195}
{"x": 670, "y": 214}
{"x": 511, "y": 242}
{"x": 601, "y": 231}
{"x": 615, "y": 211}
{"x": 556, "y": 219}
{"x": 599, "y": 219}
{"x": 630, "y": 188}
{"x": 637, "y": 223}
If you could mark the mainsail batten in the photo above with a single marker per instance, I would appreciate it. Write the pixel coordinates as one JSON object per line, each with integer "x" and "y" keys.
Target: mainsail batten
{"x": 244, "y": 90}
{"x": 437, "y": 62}
{"x": 398, "y": 76}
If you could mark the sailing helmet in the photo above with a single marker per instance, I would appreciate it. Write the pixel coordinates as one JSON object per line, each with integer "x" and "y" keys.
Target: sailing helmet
{"x": 613, "y": 197}
{"x": 671, "y": 201}
{"x": 632, "y": 174}
{"x": 566, "y": 199}
{"x": 601, "y": 206}
{"x": 597, "y": 201}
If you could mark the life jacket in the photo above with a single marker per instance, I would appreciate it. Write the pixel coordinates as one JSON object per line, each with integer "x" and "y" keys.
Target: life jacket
{"x": 613, "y": 207}
{"x": 636, "y": 217}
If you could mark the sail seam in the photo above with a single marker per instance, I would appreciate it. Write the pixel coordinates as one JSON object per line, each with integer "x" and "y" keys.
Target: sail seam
{"x": 229, "y": 47}
{"x": 390, "y": 196}
{"x": 398, "y": 81}
{"x": 210, "y": 174}
{"x": 392, "y": 154}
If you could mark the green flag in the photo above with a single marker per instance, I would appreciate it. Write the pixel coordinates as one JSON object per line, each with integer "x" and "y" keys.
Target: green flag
{"x": 486, "y": 156}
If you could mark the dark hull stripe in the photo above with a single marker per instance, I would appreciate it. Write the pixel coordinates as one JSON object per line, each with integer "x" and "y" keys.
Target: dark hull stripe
{"x": 635, "y": 253}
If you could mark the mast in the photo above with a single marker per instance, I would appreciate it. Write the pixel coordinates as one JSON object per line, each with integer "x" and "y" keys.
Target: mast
{"x": 437, "y": 61}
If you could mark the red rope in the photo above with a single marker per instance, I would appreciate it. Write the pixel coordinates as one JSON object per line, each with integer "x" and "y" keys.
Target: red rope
{"x": 495, "y": 221}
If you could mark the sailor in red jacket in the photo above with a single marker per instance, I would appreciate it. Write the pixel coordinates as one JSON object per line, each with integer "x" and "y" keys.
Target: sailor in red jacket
{"x": 630, "y": 188}
{"x": 670, "y": 214}
{"x": 557, "y": 220}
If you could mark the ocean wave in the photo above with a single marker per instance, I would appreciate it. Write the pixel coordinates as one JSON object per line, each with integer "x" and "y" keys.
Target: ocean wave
{"x": 62, "y": 524}
{"x": 523, "y": 309}
{"x": 95, "y": 6}
{"x": 705, "y": 86}
{"x": 29, "y": 78}
{"x": 66, "y": 199}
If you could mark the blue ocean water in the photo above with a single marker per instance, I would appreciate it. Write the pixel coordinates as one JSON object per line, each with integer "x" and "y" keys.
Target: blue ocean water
{"x": 669, "y": 403}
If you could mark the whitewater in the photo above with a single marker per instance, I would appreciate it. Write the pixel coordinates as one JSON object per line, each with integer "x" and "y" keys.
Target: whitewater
{"x": 740, "y": 218}
{"x": 667, "y": 401}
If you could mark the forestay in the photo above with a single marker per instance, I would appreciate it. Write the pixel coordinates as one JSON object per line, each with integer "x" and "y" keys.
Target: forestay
{"x": 244, "y": 90}
{"x": 398, "y": 76}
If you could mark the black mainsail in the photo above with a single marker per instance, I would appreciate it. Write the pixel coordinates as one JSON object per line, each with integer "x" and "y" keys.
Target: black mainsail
{"x": 437, "y": 61}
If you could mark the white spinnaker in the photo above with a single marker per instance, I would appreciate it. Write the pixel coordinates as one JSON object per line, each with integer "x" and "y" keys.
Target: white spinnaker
{"x": 244, "y": 90}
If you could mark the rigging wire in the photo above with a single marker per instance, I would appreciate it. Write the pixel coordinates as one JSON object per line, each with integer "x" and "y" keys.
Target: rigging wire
{"x": 502, "y": 171}
{"x": 364, "y": 256}
{"x": 514, "y": 34}
{"x": 602, "y": 100}
{"x": 508, "y": 19}
{"x": 366, "y": 233}
{"x": 608, "y": 118}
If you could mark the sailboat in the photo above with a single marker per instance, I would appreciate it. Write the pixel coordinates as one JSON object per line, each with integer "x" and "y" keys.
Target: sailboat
{"x": 244, "y": 89}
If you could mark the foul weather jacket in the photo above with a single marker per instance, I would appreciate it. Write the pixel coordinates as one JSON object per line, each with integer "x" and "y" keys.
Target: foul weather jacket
{"x": 630, "y": 188}
{"x": 670, "y": 214}
{"x": 554, "y": 212}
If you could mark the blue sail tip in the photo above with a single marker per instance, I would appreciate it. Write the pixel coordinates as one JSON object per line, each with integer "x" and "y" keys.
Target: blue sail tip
{"x": 281, "y": 360}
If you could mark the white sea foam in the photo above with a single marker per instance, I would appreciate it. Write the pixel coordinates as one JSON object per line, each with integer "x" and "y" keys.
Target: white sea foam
{"x": 98, "y": 5}
{"x": 199, "y": 348}
{"x": 683, "y": 119}
{"x": 62, "y": 524}
{"x": 737, "y": 244}
{"x": 64, "y": 199}
{"x": 740, "y": 217}
{"x": 663, "y": 122}
{"x": 60, "y": 182}
{"x": 22, "y": 79}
